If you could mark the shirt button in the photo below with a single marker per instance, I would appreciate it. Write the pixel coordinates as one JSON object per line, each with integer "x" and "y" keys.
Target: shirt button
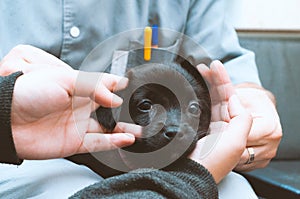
{"x": 74, "y": 31}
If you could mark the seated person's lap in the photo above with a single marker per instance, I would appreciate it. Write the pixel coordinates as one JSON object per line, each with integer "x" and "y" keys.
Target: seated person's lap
{"x": 57, "y": 178}
{"x": 60, "y": 178}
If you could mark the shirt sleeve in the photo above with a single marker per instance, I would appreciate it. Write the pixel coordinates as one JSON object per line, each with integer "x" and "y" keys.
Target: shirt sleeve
{"x": 7, "y": 148}
{"x": 207, "y": 25}
{"x": 185, "y": 179}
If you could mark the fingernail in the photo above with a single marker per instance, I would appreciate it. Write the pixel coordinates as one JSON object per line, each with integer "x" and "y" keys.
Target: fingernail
{"x": 136, "y": 130}
{"x": 132, "y": 129}
{"x": 202, "y": 66}
{"x": 117, "y": 100}
{"x": 122, "y": 84}
{"x": 215, "y": 63}
{"x": 122, "y": 139}
{"x": 129, "y": 135}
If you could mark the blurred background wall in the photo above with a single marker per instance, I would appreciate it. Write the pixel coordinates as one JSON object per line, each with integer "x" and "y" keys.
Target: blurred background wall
{"x": 264, "y": 14}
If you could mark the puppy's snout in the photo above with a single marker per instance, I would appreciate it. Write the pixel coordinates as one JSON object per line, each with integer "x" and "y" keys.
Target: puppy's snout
{"x": 171, "y": 132}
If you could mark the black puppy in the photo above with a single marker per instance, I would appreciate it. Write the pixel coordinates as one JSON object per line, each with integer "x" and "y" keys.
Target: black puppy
{"x": 173, "y": 105}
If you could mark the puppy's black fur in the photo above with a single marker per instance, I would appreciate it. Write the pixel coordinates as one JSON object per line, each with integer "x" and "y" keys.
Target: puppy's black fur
{"x": 167, "y": 100}
{"x": 171, "y": 102}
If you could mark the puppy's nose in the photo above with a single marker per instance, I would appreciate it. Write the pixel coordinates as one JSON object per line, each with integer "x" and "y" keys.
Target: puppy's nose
{"x": 171, "y": 132}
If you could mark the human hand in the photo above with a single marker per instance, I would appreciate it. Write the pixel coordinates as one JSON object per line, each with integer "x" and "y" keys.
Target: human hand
{"x": 27, "y": 58}
{"x": 52, "y": 104}
{"x": 266, "y": 131}
{"x": 51, "y": 111}
{"x": 221, "y": 150}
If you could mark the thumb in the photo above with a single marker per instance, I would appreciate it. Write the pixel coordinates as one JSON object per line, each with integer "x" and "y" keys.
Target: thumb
{"x": 241, "y": 120}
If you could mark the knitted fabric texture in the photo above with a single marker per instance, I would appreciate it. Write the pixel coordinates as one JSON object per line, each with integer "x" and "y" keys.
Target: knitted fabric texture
{"x": 7, "y": 148}
{"x": 185, "y": 179}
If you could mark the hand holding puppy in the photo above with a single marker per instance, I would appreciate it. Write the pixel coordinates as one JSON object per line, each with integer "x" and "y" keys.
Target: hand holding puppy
{"x": 266, "y": 131}
{"x": 52, "y": 104}
{"x": 221, "y": 150}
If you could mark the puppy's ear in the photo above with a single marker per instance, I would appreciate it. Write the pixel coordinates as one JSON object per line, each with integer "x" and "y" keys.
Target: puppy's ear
{"x": 106, "y": 119}
{"x": 129, "y": 74}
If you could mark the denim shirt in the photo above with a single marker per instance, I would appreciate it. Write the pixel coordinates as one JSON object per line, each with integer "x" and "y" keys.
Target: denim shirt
{"x": 70, "y": 29}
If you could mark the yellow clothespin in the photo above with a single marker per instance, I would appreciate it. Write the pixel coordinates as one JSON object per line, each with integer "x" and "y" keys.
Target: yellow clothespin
{"x": 147, "y": 43}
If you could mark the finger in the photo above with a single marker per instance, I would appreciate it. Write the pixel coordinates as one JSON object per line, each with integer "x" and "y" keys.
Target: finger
{"x": 106, "y": 98}
{"x": 205, "y": 72}
{"x": 227, "y": 111}
{"x": 8, "y": 67}
{"x": 93, "y": 142}
{"x": 245, "y": 156}
{"x": 110, "y": 83}
{"x": 13, "y": 54}
{"x": 217, "y": 127}
{"x": 121, "y": 127}
{"x": 269, "y": 127}
{"x": 238, "y": 127}
{"x": 133, "y": 129}
{"x": 20, "y": 65}
{"x": 89, "y": 84}
{"x": 241, "y": 120}
{"x": 114, "y": 82}
{"x": 221, "y": 80}
{"x": 220, "y": 112}
{"x": 219, "y": 73}
{"x": 252, "y": 166}
{"x": 33, "y": 67}
{"x": 94, "y": 127}
{"x": 260, "y": 158}
{"x": 33, "y": 55}
{"x": 235, "y": 107}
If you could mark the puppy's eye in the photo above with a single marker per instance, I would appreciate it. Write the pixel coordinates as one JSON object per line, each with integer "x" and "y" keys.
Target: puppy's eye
{"x": 145, "y": 105}
{"x": 194, "y": 108}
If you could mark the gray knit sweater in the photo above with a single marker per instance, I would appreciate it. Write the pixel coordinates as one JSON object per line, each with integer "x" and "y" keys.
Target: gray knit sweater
{"x": 183, "y": 179}
{"x": 7, "y": 148}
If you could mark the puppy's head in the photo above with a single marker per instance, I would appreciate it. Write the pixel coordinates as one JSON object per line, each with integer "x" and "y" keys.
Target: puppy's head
{"x": 171, "y": 102}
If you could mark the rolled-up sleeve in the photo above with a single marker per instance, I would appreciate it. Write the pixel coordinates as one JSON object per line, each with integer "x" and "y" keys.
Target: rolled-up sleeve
{"x": 207, "y": 25}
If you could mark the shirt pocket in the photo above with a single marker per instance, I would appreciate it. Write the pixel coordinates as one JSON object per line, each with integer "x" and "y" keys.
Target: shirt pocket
{"x": 162, "y": 54}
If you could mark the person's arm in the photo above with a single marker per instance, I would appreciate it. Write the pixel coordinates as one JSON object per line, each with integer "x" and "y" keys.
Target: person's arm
{"x": 207, "y": 25}
{"x": 8, "y": 152}
{"x": 183, "y": 179}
